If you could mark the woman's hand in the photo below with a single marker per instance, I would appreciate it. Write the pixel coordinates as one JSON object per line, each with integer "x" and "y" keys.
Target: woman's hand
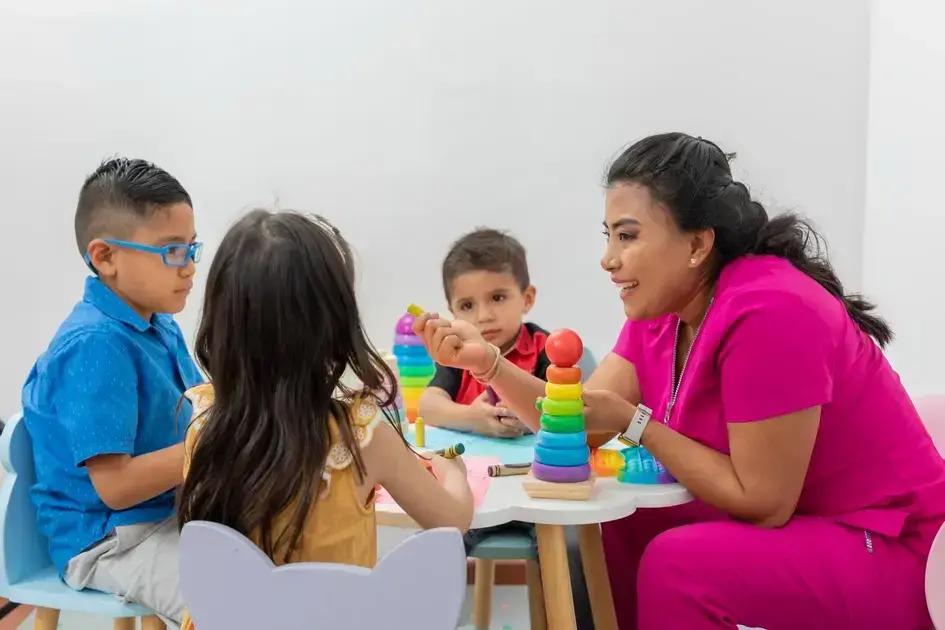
{"x": 454, "y": 343}
{"x": 606, "y": 412}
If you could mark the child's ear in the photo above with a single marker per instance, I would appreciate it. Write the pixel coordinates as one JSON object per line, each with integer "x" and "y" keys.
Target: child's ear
{"x": 529, "y": 296}
{"x": 102, "y": 257}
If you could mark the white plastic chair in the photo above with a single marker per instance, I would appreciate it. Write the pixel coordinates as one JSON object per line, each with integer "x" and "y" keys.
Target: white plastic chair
{"x": 932, "y": 412}
{"x": 229, "y": 583}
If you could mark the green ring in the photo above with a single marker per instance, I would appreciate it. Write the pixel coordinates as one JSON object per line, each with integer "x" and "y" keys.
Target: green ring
{"x": 562, "y": 424}
{"x": 414, "y": 381}
{"x": 562, "y": 407}
{"x": 416, "y": 370}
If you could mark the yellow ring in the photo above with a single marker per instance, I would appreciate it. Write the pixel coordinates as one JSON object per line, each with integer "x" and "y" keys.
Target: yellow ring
{"x": 561, "y": 391}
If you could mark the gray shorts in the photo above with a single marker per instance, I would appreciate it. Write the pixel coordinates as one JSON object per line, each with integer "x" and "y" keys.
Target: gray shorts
{"x": 138, "y": 563}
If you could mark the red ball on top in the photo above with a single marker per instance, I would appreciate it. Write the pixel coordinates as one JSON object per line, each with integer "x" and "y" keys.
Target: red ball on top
{"x": 564, "y": 348}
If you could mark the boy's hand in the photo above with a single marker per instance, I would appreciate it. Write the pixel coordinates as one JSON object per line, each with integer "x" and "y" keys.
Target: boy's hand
{"x": 514, "y": 422}
{"x": 492, "y": 420}
{"x": 454, "y": 343}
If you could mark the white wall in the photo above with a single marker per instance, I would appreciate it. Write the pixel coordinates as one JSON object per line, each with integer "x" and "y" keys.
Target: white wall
{"x": 410, "y": 122}
{"x": 903, "y": 264}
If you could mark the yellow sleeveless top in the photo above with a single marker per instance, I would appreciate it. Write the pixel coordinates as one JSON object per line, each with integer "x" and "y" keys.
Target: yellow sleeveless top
{"x": 339, "y": 528}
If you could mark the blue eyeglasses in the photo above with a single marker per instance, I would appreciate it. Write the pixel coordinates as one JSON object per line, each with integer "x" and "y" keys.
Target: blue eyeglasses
{"x": 174, "y": 255}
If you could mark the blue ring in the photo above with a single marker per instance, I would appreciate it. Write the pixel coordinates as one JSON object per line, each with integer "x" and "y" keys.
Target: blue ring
{"x": 410, "y": 351}
{"x": 559, "y": 441}
{"x": 562, "y": 457}
{"x": 414, "y": 360}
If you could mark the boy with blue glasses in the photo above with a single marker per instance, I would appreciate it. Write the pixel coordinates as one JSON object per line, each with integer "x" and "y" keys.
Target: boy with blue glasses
{"x": 104, "y": 404}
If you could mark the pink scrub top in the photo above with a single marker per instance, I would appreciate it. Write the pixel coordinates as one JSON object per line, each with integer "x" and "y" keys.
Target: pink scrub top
{"x": 774, "y": 342}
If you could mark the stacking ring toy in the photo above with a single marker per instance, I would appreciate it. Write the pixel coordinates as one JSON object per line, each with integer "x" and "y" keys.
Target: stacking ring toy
{"x": 547, "y": 439}
{"x": 408, "y": 340}
{"x": 561, "y": 407}
{"x": 563, "y": 375}
{"x": 560, "y": 391}
{"x": 561, "y": 474}
{"x": 414, "y": 381}
{"x": 405, "y": 325}
{"x": 562, "y": 457}
{"x": 417, "y": 370}
{"x": 404, "y": 360}
{"x": 562, "y": 424}
{"x": 410, "y": 351}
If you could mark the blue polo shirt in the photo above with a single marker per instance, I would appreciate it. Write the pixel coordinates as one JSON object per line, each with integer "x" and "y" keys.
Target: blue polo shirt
{"x": 109, "y": 383}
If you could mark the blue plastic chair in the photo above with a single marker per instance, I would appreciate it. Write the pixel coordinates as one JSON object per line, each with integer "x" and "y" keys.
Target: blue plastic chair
{"x": 27, "y": 575}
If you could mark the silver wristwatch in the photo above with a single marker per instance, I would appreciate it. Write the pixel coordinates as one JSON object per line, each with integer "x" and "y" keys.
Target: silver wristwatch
{"x": 633, "y": 433}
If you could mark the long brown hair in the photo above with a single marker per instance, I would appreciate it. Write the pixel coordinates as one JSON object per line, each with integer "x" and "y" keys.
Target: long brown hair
{"x": 280, "y": 325}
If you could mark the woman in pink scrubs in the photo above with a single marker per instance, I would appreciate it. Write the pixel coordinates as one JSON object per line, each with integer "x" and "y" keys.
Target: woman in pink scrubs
{"x": 818, "y": 490}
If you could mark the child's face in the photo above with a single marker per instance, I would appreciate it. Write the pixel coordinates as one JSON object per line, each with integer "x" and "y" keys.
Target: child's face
{"x": 493, "y": 302}
{"x": 141, "y": 278}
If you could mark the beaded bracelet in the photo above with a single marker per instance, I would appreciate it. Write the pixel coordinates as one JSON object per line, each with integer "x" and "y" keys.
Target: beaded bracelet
{"x": 489, "y": 375}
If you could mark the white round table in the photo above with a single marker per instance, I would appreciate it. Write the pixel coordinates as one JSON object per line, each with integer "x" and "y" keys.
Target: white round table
{"x": 506, "y": 501}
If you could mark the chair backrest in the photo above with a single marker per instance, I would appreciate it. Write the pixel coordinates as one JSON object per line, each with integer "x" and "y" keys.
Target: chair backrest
{"x": 932, "y": 412}
{"x": 228, "y": 582}
{"x": 23, "y": 550}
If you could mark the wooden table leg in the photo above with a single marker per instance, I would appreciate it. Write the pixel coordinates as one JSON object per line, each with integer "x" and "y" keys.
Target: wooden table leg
{"x": 123, "y": 623}
{"x": 46, "y": 619}
{"x": 555, "y": 578}
{"x": 482, "y": 598}
{"x": 595, "y": 575}
{"x": 536, "y": 596}
{"x": 152, "y": 622}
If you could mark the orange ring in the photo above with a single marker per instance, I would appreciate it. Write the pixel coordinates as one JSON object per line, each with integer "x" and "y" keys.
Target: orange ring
{"x": 563, "y": 375}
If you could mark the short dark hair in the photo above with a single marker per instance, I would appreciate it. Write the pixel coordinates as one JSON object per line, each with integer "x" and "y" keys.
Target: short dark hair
{"x": 485, "y": 249}
{"x": 120, "y": 193}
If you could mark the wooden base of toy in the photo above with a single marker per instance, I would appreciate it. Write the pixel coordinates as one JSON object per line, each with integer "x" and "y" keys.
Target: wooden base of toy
{"x": 538, "y": 489}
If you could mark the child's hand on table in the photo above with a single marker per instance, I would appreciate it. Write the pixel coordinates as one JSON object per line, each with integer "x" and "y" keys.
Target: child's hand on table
{"x": 493, "y": 420}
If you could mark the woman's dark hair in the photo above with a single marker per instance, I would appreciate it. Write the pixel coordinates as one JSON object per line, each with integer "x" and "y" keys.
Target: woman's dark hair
{"x": 691, "y": 176}
{"x": 280, "y": 325}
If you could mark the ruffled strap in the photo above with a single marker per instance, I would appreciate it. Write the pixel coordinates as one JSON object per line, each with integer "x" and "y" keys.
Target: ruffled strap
{"x": 201, "y": 397}
{"x": 363, "y": 415}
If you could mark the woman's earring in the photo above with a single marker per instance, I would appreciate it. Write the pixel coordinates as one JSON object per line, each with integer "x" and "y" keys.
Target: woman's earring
{"x": 692, "y": 262}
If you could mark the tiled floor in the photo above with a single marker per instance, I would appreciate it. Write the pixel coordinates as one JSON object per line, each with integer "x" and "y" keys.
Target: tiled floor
{"x": 509, "y": 612}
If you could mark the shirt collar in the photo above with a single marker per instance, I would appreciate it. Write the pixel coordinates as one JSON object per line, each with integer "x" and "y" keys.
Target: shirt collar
{"x": 524, "y": 345}
{"x": 107, "y": 301}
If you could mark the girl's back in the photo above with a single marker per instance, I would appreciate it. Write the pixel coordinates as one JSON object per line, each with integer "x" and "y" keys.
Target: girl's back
{"x": 279, "y": 448}
{"x": 340, "y": 526}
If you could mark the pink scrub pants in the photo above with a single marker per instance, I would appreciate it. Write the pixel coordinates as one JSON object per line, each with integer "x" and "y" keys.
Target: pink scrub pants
{"x": 691, "y": 568}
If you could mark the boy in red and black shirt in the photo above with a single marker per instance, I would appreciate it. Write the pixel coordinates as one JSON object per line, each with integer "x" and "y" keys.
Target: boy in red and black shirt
{"x": 485, "y": 277}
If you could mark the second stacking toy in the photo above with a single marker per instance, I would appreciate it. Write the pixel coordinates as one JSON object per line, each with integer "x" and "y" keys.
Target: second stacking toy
{"x": 415, "y": 368}
{"x": 561, "y": 469}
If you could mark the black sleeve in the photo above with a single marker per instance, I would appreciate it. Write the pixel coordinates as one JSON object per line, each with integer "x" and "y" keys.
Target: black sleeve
{"x": 541, "y": 365}
{"x": 448, "y": 379}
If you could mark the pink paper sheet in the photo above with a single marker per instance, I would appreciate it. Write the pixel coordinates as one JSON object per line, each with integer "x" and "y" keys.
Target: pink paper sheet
{"x": 477, "y": 472}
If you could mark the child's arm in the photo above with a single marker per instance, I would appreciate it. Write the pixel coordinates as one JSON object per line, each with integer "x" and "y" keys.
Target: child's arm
{"x": 442, "y": 501}
{"x": 437, "y": 408}
{"x": 97, "y": 395}
{"x": 122, "y": 481}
